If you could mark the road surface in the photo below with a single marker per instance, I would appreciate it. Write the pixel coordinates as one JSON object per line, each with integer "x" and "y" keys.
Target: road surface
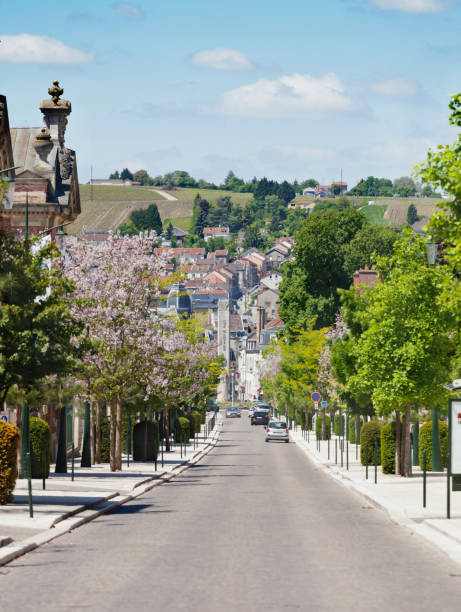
{"x": 252, "y": 527}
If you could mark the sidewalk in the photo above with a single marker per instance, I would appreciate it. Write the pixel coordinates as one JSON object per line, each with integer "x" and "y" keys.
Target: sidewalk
{"x": 401, "y": 498}
{"x": 67, "y": 504}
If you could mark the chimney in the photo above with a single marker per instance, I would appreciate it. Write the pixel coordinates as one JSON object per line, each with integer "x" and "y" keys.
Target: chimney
{"x": 259, "y": 322}
{"x": 55, "y": 113}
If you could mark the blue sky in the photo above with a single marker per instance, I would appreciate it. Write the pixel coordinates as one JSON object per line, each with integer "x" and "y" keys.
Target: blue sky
{"x": 282, "y": 89}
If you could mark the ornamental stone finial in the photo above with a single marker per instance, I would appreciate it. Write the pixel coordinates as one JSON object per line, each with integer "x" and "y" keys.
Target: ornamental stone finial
{"x": 55, "y": 92}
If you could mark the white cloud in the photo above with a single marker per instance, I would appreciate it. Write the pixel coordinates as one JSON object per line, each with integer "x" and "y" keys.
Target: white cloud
{"x": 34, "y": 49}
{"x": 395, "y": 88}
{"x": 295, "y": 93}
{"x": 128, "y": 10}
{"x": 222, "y": 59}
{"x": 413, "y": 6}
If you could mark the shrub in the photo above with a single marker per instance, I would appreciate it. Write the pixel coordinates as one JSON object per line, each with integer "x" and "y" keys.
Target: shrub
{"x": 181, "y": 430}
{"x": 40, "y": 436}
{"x": 9, "y": 440}
{"x": 388, "y": 448}
{"x": 309, "y": 420}
{"x": 336, "y": 426}
{"x": 195, "y": 423}
{"x": 425, "y": 443}
{"x": 352, "y": 436}
{"x": 318, "y": 427}
{"x": 370, "y": 432}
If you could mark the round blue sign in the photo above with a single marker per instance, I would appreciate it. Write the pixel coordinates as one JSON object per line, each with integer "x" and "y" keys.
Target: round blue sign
{"x": 315, "y": 396}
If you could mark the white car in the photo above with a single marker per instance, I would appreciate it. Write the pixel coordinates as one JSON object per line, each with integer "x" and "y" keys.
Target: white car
{"x": 277, "y": 430}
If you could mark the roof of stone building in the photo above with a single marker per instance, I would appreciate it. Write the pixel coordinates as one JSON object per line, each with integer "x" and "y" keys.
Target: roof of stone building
{"x": 22, "y": 141}
{"x": 236, "y": 322}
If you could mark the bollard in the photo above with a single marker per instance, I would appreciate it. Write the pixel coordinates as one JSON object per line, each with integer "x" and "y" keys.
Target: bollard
{"x": 29, "y": 485}
{"x": 410, "y": 474}
{"x": 73, "y": 460}
{"x": 347, "y": 454}
{"x": 376, "y": 461}
{"x": 366, "y": 460}
{"x": 308, "y": 435}
{"x": 424, "y": 477}
{"x": 44, "y": 465}
{"x": 336, "y": 451}
{"x": 356, "y": 451}
{"x": 342, "y": 452}
{"x": 161, "y": 448}
{"x": 448, "y": 483}
{"x": 328, "y": 448}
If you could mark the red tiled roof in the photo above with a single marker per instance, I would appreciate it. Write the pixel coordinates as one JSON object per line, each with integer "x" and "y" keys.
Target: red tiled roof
{"x": 215, "y": 230}
{"x": 277, "y": 322}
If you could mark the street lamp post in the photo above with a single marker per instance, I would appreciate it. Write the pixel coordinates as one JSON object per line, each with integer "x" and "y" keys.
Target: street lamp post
{"x": 431, "y": 254}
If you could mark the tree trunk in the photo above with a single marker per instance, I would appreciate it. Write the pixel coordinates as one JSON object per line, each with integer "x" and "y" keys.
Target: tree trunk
{"x": 97, "y": 445}
{"x": 113, "y": 421}
{"x": 166, "y": 427}
{"x": 398, "y": 438}
{"x": 406, "y": 442}
{"x": 118, "y": 434}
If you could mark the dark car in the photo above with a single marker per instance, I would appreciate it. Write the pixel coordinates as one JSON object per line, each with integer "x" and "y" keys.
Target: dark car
{"x": 260, "y": 417}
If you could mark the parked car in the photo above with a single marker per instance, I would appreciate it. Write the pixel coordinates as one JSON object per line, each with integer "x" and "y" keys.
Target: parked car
{"x": 277, "y": 430}
{"x": 233, "y": 412}
{"x": 260, "y": 417}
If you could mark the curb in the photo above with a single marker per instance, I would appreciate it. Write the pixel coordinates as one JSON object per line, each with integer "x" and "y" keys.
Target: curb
{"x": 89, "y": 512}
{"x": 433, "y": 534}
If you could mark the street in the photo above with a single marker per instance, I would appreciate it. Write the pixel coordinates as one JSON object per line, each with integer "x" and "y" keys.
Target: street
{"x": 254, "y": 526}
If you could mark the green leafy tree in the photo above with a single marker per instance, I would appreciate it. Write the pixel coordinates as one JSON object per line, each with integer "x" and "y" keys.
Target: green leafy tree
{"x": 147, "y": 219}
{"x": 308, "y": 183}
{"x": 115, "y": 175}
{"x": 169, "y": 231}
{"x": 335, "y": 189}
{"x": 405, "y": 352}
{"x": 141, "y": 176}
{"x": 412, "y": 214}
{"x": 442, "y": 169}
{"x": 369, "y": 242}
{"x": 286, "y": 192}
{"x": 36, "y": 325}
{"x": 253, "y": 238}
{"x": 311, "y": 281}
{"x": 128, "y": 228}
{"x": 199, "y": 220}
{"x": 125, "y": 174}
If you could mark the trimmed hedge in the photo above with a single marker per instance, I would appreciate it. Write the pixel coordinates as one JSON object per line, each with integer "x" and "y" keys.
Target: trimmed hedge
{"x": 9, "y": 440}
{"x": 336, "y": 426}
{"x": 40, "y": 435}
{"x": 195, "y": 423}
{"x": 425, "y": 444}
{"x": 181, "y": 430}
{"x": 318, "y": 427}
{"x": 370, "y": 432}
{"x": 388, "y": 448}
{"x": 105, "y": 441}
{"x": 352, "y": 438}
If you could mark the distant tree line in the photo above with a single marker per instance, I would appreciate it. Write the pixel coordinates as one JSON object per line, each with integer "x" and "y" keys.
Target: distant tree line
{"x": 372, "y": 186}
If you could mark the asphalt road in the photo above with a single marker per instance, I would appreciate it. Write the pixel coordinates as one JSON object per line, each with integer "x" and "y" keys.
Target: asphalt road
{"x": 254, "y": 526}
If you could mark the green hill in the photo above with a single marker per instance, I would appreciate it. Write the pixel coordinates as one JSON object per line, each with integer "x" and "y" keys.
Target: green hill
{"x": 105, "y": 207}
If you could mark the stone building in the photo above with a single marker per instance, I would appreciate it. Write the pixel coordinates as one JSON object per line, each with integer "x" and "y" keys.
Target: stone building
{"x": 46, "y": 192}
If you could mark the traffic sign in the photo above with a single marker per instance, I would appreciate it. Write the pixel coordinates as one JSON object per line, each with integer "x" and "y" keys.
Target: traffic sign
{"x": 324, "y": 404}
{"x": 315, "y": 396}
{"x": 4, "y": 417}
